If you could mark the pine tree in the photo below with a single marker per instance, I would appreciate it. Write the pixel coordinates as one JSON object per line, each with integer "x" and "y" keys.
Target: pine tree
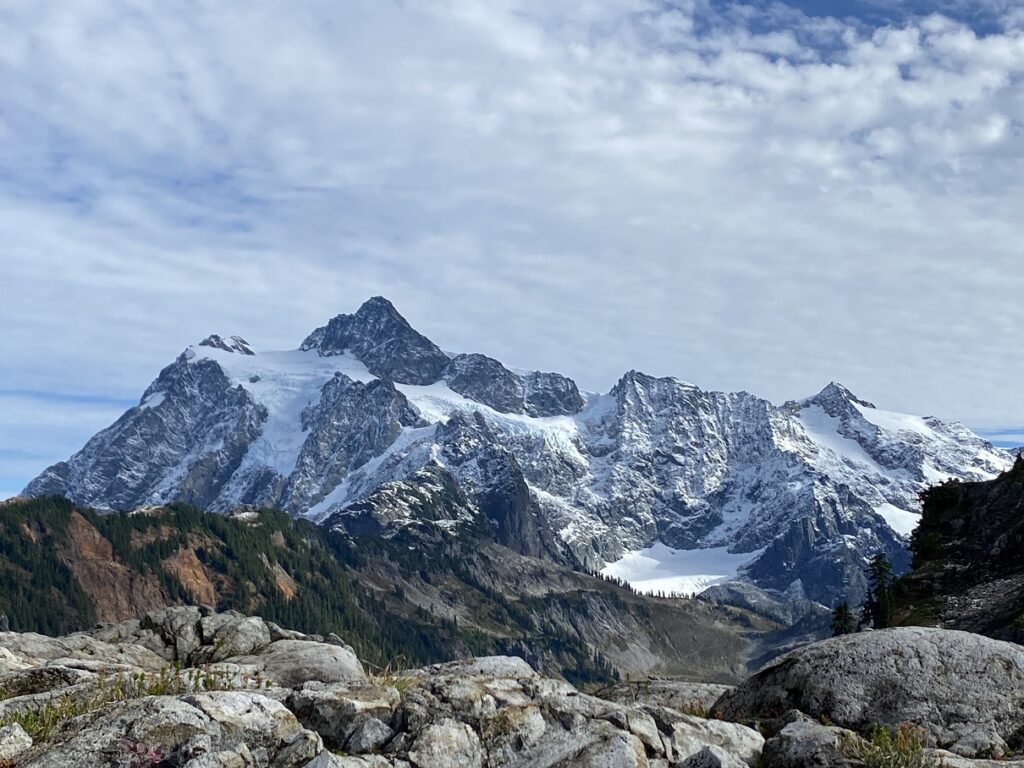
{"x": 877, "y": 610}
{"x": 843, "y": 622}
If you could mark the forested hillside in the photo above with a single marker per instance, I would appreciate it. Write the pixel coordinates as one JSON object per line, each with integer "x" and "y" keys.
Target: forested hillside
{"x": 418, "y": 597}
{"x": 968, "y": 568}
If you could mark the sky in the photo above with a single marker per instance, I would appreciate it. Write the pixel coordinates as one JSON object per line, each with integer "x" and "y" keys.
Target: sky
{"x": 749, "y": 196}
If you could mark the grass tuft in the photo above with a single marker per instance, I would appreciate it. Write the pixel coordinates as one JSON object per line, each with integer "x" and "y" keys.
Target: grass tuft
{"x": 394, "y": 674}
{"x": 886, "y": 747}
{"x": 43, "y": 721}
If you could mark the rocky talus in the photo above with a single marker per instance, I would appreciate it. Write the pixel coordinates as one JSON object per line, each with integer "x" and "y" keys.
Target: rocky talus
{"x": 187, "y": 687}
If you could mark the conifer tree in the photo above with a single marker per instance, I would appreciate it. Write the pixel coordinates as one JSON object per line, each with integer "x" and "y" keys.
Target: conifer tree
{"x": 843, "y": 621}
{"x": 877, "y": 611}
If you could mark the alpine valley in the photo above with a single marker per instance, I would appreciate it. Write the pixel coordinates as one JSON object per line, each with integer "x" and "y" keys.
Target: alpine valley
{"x": 369, "y": 428}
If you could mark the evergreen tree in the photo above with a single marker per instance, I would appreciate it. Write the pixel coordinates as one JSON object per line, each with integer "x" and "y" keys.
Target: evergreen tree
{"x": 843, "y": 622}
{"x": 877, "y": 610}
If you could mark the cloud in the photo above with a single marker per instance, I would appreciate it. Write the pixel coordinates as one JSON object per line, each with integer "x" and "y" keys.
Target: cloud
{"x": 746, "y": 196}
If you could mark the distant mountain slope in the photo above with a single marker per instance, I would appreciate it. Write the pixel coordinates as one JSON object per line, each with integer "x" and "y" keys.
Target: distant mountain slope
{"x": 968, "y": 570}
{"x": 422, "y": 595}
{"x": 794, "y": 496}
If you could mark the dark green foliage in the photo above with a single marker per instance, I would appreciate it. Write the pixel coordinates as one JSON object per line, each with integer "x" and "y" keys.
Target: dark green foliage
{"x": 926, "y": 542}
{"x": 38, "y": 592}
{"x": 877, "y": 611}
{"x": 843, "y": 620}
{"x": 970, "y": 540}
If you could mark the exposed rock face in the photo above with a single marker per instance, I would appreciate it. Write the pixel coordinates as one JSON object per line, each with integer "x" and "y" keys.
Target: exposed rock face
{"x": 343, "y": 712}
{"x": 487, "y": 381}
{"x": 447, "y": 742}
{"x": 551, "y": 394}
{"x": 474, "y": 452}
{"x": 191, "y": 637}
{"x": 807, "y": 489}
{"x": 352, "y": 423}
{"x": 713, "y": 757}
{"x": 682, "y": 695}
{"x": 804, "y": 743}
{"x": 383, "y": 340}
{"x": 117, "y": 592}
{"x": 26, "y": 650}
{"x": 291, "y": 663}
{"x": 430, "y": 494}
{"x": 232, "y": 344}
{"x": 186, "y": 438}
{"x": 967, "y": 691}
{"x": 13, "y": 742}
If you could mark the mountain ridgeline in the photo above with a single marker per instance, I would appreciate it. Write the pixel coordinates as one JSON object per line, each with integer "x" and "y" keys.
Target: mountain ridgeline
{"x": 370, "y": 427}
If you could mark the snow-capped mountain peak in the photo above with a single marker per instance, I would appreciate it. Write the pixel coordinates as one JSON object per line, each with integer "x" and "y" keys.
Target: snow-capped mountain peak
{"x": 800, "y": 492}
{"x": 231, "y": 344}
{"x": 836, "y": 398}
{"x": 383, "y": 340}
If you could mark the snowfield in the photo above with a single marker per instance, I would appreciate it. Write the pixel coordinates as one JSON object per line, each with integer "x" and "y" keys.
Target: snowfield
{"x": 678, "y": 571}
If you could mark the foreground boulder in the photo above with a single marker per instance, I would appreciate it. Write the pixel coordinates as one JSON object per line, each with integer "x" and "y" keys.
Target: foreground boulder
{"x": 190, "y": 688}
{"x": 291, "y": 663}
{"x": 966, "y": 691}
{"x": 187, "y": 636}
{"x": 694, "y": 698}
{"x": 803, "y": 743}
{"x": 211, "y": 729}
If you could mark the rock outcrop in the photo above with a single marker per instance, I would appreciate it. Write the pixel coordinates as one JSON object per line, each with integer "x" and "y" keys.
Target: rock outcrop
{"x": 189, "y": 688}
{"x": 535, "y": 393}
{"x": 222, "y": 728}
{"x": 966, "y": 691}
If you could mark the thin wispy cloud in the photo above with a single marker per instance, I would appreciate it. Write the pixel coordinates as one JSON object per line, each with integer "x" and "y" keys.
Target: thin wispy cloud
{"x": 748, "y": 196}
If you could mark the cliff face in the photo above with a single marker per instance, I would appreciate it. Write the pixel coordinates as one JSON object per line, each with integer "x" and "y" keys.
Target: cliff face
{"x": 968, "y": 569}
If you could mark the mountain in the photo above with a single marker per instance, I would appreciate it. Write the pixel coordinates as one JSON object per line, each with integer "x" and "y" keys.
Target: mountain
{"x": 657, "y": 481}
{"x": 968, "y": 569}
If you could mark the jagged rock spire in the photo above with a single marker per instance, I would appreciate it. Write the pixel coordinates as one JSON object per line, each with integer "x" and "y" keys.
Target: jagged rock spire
{"x": 383, "y": 341}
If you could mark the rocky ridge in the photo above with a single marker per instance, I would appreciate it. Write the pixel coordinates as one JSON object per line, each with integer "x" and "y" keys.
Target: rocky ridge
{"x": 806, "y": 490}
{"x": 190, "y": 688}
